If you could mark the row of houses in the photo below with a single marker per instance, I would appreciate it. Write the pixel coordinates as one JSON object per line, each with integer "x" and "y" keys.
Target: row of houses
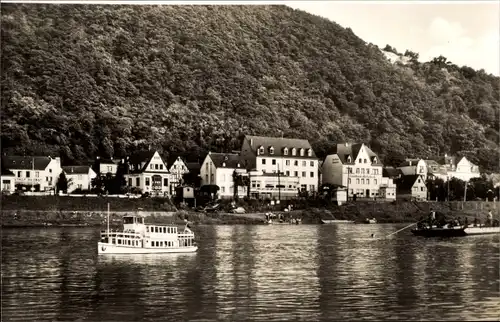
{"x": 279, "y": 168}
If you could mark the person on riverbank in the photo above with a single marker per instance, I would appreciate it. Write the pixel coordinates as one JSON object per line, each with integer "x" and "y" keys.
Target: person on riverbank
{"x": 432, "y": 217}
{"x": 489, "y": 219}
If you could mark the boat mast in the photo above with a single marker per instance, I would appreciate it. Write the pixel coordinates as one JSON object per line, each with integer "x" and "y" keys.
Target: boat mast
{"x": 108, "y": 218}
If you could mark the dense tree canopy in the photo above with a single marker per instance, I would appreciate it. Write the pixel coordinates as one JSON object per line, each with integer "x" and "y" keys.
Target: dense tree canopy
{"x": 87, "y": 80}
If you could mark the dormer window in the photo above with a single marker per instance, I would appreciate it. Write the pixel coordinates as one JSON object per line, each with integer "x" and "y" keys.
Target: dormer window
{"x": 285, "y": 151}
{"x": 238, "y": 165}
{"x": 309, "y": 152}
{"x": 294, "y": 151}
{"x": 223, "y": 164}
{"x": 374, "y": 159}
{"x": 365, "y": 160}
{"x": 301, "y": 152}
{"x": 260, "y": 151}
{"x": 271, "y": 150}
{"x": 349, "y": 159}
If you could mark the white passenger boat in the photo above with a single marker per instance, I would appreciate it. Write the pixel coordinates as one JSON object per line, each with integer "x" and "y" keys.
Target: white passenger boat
{"x": 139, "y": 238}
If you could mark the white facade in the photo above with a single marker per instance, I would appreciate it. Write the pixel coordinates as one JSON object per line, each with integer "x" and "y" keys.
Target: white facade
{"x": 46, "y": 178}
{"x": 414, "y": 167}
{"x": 80, "y": 181}
{"x": 387, "y": 189}
{"x": 220, "y": 173}
{"x": 305, "y": 170}
{"x": 8, "y": 184}
{"x": 465, "y": 170}
{"x": 177, "y": 170}
{"x": 153, "y": 178}
{"x": 360, "y": 174}
{"x": 270, "y": 185}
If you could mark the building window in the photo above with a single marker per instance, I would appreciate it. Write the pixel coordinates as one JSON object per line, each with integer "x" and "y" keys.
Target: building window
{"x": 287, "y": 162}
{"x": 37, "y": 174}
{"x": 310, "y": 152}
{"x": 367, "y": 171}
{"x": 263, "y": 161}
{"x": 223, "y": 189}
{"x": 294, "y": 151}
{"x": 421, "y": 188}
{"x": 287, "y": 173}
{"x": 349, "y": 181}
{"x": 165, "y": 182}
{"x": 110, "y": 168}
{"x": 357, "y": 181}
{"x": 362, "y": 171}
{"x": 367, "y": 181}
{"x": 137, "y": 182}
{"x": 19, "y": 174}
{"x": 130, "y": 182}
{"x": 312, "y": 174}
{"x": 295, "y": 173}
{"x": 285, "y": 151}
{"x": 261, "y": 150}
{"x": 303, "y": 174}
{"x": 375, "y": 181}
{"x": 360, "y": 161}
{"x": 211, "y": 177}
{"x": 206, "y": 166}
{"x": 357, "y": 171}
{"x": 365, "y": 160}
{"x": 147, "y": 181}
{"x": 296, "y": 163}
{"x": 50, "y": 170}
{"x": 271, "y": 150}
{"x": 301, "y": 152}
{"x": 311, "y": 163}
{"x": 27, "y": 174}
{"x": 303, "y": 163}
{"x": 161, "y": 166}
{"x": 311, "y": 187}
{"x": 273, "y": 161}
{"x": 362, "y": 181}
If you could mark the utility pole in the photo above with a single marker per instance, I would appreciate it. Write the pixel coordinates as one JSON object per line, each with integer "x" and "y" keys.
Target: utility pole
{"x": 279, "y": 184}
{"x": 448, "y": 190}
{"x": 465, "y": 191}
{"x": 348, "y": 171}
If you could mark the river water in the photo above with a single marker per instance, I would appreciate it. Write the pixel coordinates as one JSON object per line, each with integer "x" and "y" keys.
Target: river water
{"x": 258, "y": 273}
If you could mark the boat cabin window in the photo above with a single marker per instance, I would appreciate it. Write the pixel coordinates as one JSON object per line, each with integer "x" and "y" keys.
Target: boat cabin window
{"x": 128, "y": 220}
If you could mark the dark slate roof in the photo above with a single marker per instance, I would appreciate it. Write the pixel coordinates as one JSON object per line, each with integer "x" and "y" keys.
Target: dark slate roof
{"x": 193, "y": 166}
{"x": 226, "y": 160}
{"x": 7, "y": 172}
{"x": 141, "y": 156}
{"x": 279, "y": 144}
{"x": 76, "y": 169}
{"x": 391, "y": 172}
{"x": 171, "y": 160}
{"x": 344, "y": 150}
{"x": 406, "y": 183}
{"x": 25, "y": 163}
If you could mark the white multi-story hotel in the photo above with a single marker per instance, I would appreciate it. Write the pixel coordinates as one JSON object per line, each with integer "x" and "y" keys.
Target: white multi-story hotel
{"x": 356, "y": 167}
{"x": 39, "y": 172}
{"x": 293, "y": 159}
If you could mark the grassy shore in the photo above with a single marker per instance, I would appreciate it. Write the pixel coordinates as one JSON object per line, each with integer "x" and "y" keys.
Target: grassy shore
{"x": 25, "y": 211}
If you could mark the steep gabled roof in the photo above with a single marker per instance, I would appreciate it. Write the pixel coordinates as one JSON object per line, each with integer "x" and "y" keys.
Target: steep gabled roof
{"x": 141, "y": 156}
{"x": 25, "y": 162}
{"x": 7, "y": 172}
{"x": 227, "y": 160}
{"x": 344, "y": 150}
{"x": 391, "y": 172}
{"x": 406, "y": 182}
{"x": 279, "y": 145}
{"x": 76, "y": 169}
{"x": 193, "y": 167}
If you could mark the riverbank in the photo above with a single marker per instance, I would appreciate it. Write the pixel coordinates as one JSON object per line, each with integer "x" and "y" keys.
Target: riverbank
{"x": 24, "y": 211}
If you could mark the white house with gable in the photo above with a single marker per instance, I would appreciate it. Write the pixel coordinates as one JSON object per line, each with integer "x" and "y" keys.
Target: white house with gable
{"x": 356, "y": 167}
{"x": 79, "y": 177}
{"x": 148, "y": 172}
{"x": 218, "y": 169}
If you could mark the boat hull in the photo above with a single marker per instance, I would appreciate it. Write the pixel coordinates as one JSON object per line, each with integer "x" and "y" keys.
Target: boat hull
{"x": 439, "y": 232}
{"x": 482, "y": 230}
{"x": 327, "y": 222}
{"x": 105, "y": 248}
{"x": 456, "y": 232}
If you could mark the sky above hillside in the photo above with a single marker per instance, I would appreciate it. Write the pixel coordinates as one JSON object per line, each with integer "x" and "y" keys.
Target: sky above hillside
{"x": 467, "y": 33}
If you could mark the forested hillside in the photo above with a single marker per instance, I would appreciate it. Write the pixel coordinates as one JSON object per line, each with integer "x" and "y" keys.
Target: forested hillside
{"x": 82, "y": 81}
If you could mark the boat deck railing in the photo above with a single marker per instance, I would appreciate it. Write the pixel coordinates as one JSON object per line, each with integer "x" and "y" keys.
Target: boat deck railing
{"x": 120, "y": 234}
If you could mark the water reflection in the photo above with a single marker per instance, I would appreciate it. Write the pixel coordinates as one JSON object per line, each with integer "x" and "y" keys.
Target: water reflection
{"x": 261, "y": 273}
